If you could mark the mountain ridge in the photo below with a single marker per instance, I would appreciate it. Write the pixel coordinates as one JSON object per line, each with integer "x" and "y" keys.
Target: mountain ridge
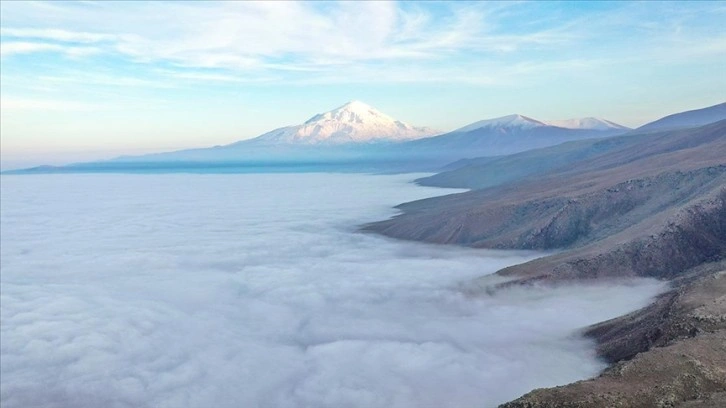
{"x": 514, "y": 120}
{"x": 690, "y": 118}
{"x": 364, "y": 137}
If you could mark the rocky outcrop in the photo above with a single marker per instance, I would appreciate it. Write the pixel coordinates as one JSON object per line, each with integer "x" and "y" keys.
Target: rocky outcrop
{"x": 690, "y": 370}
{"x": 696, "y": 304}
{"x": 661, "y": 247}
{"x": 672, "y": 353}
{"x": 596, "y": 215}
{"x": 656, "y": 226}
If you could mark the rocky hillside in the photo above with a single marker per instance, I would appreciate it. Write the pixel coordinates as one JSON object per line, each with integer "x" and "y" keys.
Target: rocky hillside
{"x": 670, "y": 354}
{"x": 575, "y": 157}
{"x": 639, "y": 199}
{"x": 660, "y": 246}
{"x": 649, "y": 205}
{"x": 482, "y": 219}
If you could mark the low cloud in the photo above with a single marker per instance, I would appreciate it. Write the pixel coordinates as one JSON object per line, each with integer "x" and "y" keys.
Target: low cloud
{"x": 256, "y": 291}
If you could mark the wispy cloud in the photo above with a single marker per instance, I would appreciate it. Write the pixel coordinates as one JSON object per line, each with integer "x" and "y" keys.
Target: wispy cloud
{"x": 259, "y": 37}
{"x": 14, "y": 48}
{"x": 79, "y": 77}
{"x": 56, "y": 35}
{"x": 25, "y": 104}
{"x": 211, "y": 77}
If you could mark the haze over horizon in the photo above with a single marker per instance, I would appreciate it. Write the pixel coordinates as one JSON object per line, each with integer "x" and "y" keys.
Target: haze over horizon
{"x": 79, "y": 85}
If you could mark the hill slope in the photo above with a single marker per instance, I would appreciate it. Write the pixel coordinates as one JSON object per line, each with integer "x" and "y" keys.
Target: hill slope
{"x": 490, "y": 171}
{"x": 518, "y": 214}
{"x": 692, "y": 118}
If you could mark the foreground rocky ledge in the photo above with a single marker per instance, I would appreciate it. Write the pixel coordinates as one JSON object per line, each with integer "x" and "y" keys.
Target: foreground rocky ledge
{"x": 672, "y": 353}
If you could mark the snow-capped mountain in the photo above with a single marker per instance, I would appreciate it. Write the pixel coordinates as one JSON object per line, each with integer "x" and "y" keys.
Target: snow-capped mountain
{"x": 521, "y": 122}
{"x": 515, "y": 121}
{"x": 354, "y": 122}
{"x": 510, "y": 134}
{"x": 587, "y": 123}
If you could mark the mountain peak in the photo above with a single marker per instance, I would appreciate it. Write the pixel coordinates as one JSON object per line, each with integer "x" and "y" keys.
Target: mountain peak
{"x": 353, "y": 111}
{"x": 355, "y": 105}
{"x": 510, "y": 121}
{"x": 354, "y": 122}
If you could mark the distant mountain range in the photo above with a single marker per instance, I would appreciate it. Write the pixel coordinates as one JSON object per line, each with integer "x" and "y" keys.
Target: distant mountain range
{"x": 510, "y": 134}
{"x": 358, "y": 136}
{"x": 358, "y": 123}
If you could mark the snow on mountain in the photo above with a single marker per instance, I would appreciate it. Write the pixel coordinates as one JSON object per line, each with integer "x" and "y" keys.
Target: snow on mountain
{"x": 510, "y": 121}
{"x": 354, "y": 122}
{"x": 586, "y": 123}
{"x": 507, "y": 135}
{"x": 521, "y": 122}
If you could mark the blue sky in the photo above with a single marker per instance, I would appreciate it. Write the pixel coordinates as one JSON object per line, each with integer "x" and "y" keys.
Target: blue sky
{"x": 84, "y": 80}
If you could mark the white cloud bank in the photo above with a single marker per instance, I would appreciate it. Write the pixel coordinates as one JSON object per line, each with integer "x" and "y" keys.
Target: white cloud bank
{"x": 254, "y": 291}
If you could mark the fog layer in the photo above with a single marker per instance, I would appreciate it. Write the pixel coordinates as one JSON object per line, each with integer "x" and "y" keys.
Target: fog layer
{"x": 256, "y": 291}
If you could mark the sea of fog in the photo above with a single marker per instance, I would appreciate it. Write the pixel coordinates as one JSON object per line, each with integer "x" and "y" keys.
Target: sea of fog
{"x": 256, "y": 290}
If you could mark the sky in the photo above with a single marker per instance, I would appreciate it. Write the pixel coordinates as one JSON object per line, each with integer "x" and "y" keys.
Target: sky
{"x": 88, "y": 80}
